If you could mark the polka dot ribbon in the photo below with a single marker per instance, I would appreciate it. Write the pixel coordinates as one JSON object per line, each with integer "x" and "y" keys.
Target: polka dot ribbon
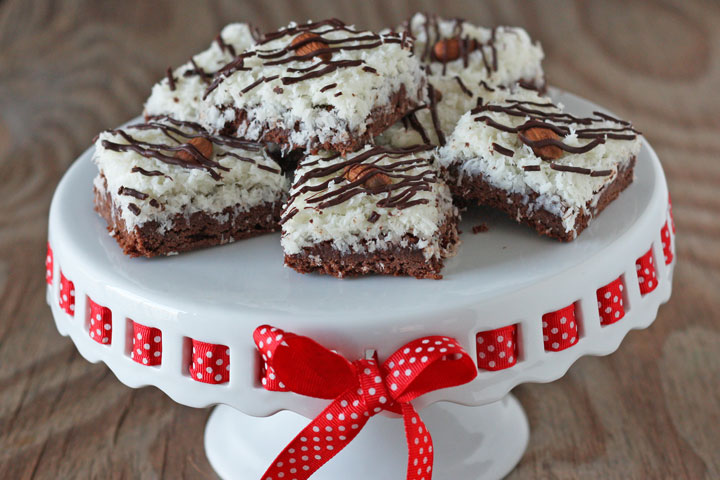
{"x": 610, "y": 302}
{"x": 560, "y": 329}
{"x": 359, "y": 390}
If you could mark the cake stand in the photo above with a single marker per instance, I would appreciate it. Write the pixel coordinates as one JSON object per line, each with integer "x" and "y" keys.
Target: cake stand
{"x": 506, "y": 276}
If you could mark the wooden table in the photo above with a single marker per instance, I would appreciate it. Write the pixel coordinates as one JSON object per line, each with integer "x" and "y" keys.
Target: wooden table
{"x": 70, "y": 69}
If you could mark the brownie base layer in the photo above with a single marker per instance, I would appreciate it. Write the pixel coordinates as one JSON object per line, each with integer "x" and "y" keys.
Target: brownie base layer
{"x": 397, "y": 261}
{"x": 475, "y": 188}
{"x": 200, "y": 229}
{"x": 379, "y": 120}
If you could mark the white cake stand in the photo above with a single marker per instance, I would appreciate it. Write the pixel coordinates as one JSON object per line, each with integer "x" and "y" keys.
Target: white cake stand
{"x": 508, "y": 275}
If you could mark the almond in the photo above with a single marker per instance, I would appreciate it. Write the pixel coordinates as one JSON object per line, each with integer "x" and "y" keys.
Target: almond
{"x": 447, "y": 50}
{"x": 201, "y": 144}
{"x": 375, "y": 178}
{"x": 307, "y": 43}
{"x": 548, "y": 152}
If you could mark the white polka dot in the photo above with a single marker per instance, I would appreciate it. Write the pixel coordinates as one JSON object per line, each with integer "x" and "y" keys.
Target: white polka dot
{"x": 491, "y": 348}
{"x": 408, "y": 372}
{"x": 378, "y": 379}
{"x": 209, "y": 369}
{"x": 199, "y": 375}
{"x": 105, "y": 340}
{"x": 200, "y": 360}
{"x": 491, "y": 363}
{"x": 145, "y": 361}
{"x": 545, "y": 325}
{"x": 480, "y": 340}
{"x": 139, "y": 337}
{"x": 608, "y": 310}
{"x": 481, "y": 354}
{"x": 157, "y": 354}
{"x": 146, "y": 346}
{"x": 413, "y": 360}
{"x": 98, "y": 317}
{"x": 554, "y": 330}
{"x": 329, "y": 416}
{"x": 393, "y": 387}
{"x": 555, "y": 345}
{"x": 545, "y": 338}
{"x": 500, "y": 338}
{"x": 107, "y": 326}
{"x": 501, "y": 354}
{"x": 426, "y": 341}
{"x": 406, "y": 350}
{"x": 371, "y": 391}
{"x": 209, "y": 354}
{"x": 219, "y": 361}
{"x": 617, "y": 314}
{"x": 424, "y": 359}
{"x": 509, "y": 343}
{"x": 564, "y": 335}
{"x": 157, "y": 339}
{"x": 608, "y": 294}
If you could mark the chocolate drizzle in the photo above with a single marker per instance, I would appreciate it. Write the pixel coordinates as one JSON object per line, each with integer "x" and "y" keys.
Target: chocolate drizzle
{"x": 465, "y": 90}
{"x": 400, "y": 194}
{"x": 354, "y": 40}
{"x": 560, "y": 123}
{"x": 434, "y": 115}
{"x": 502, "y": 150}
{"x": 131, "y": 192}
{"x": 167, "y": 152}
{"x": 171, "y": 79}
{"x": 134, "y": 208}
{"x": 224, "y": 46}
{"x": 466, "y": 44}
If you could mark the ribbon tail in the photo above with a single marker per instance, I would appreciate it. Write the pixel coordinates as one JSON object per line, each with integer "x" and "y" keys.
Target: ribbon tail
{"x": 325, "y": 436}
{"x": 419, "y": 442}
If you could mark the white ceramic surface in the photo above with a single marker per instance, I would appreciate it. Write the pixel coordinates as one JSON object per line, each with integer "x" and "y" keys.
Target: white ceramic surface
{"x": 470, "y": 443}
{"x": 219, "y": 295}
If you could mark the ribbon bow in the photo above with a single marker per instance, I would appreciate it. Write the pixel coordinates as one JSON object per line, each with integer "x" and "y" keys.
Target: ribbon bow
{"x": 359, "y": 390}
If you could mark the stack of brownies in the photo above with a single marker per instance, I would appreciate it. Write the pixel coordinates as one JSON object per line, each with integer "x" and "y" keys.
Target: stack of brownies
{"x": 359, "y": 146}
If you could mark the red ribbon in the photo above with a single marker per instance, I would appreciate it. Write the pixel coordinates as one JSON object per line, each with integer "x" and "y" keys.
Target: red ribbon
{"x": 359, "y": 390}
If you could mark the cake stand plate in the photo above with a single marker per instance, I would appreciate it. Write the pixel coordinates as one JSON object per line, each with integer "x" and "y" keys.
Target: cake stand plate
{"x": 506, "y": 276}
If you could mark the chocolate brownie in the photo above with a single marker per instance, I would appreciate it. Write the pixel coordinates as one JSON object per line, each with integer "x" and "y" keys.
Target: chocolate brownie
{"x": 462, "y": 61}
{"x": 554, "y": 171}
{"x": 168, "y": 186}
{"x": 380, "y": 210}
{"x": 178, "y": 94}
{"x": 322, "y": 85}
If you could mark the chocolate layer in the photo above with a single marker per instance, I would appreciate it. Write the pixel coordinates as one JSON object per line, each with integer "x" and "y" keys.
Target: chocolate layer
{"x": 523, "y": 207}
{"x": 397, "y": 260}
{"x": 200, "y": 229}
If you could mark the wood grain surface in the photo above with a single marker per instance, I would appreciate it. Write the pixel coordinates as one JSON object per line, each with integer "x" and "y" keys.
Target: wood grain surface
{"x": 69, "y": 69}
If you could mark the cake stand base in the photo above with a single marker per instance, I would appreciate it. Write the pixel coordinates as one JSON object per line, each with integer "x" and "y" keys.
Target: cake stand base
{"x": 471, "y": 443}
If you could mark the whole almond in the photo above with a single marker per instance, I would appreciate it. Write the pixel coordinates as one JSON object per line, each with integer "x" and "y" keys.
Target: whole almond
{"x": 375, "y": 180}
{"x": 447, "y": 50}
{"x": 548, "y": 152}
{"x": 307, "y": 43}
{"x": 203, "y": 145}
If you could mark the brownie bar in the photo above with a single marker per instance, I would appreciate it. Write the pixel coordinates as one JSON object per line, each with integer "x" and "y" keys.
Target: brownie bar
{"x": 316, "y": 86}
{"x": 179, "y": 93}
{"x": 463, "y": 62}
{"x": 380, "y": 210}
{"x": 521, "y": 209}
{"x": 521, "y": 153}
{"x": 199, "y": 229}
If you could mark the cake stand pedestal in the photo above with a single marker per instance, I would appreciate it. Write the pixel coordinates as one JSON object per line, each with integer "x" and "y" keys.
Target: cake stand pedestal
{"x": 508, "y": 276}
{"x": 469, "y": 442}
